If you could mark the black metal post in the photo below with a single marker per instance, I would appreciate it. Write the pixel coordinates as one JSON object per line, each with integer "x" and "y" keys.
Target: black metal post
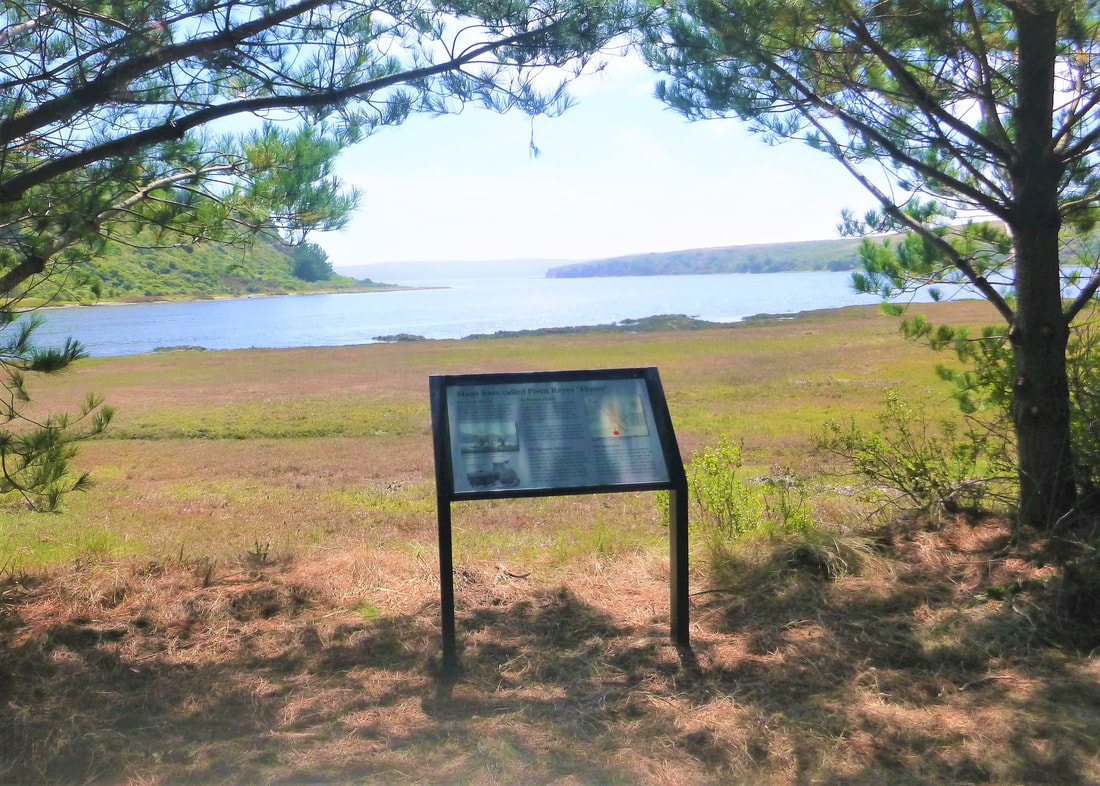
{"x": 446, "y": 587}
{"x": 678, "y": 564}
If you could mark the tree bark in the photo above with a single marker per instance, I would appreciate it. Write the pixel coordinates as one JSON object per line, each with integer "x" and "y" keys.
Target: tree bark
{"x": 1040, "y": 332}
{"x": 1040, "y": 408}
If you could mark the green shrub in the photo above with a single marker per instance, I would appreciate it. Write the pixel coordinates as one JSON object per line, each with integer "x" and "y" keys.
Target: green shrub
{"x": 724, "y": 507}
{"x": 908, "y": 459}
{"x": 309, "y": 262}
{"x": 1083, "y": 366}
{"x": 983, "y": 391}
{"x": 785, "y": 505}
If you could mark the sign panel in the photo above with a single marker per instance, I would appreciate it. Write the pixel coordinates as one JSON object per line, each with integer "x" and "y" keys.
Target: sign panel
{"x": 552, "y": 432}
{"x": 531, "y": 435}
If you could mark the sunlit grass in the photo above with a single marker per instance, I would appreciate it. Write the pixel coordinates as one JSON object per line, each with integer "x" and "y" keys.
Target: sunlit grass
{"x": 34, "y": 541}
{"x": 295, "y": 418}
{"x": 532, "y": 532}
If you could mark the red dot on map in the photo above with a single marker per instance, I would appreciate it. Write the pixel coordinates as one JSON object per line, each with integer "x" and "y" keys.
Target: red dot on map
{"x": 616, "y": 432}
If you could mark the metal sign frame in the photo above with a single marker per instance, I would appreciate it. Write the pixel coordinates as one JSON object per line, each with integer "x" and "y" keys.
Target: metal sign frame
{"x": 529, "y": 394}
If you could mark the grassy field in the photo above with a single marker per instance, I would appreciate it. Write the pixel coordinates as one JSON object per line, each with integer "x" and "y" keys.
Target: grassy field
{"x": 250, "y": 593}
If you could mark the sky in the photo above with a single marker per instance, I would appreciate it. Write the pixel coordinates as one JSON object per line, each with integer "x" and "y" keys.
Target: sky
{"x": 618, "y": 173}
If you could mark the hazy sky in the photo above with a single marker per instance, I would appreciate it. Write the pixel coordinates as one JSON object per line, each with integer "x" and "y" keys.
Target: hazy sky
{"x": 619, "y": 173}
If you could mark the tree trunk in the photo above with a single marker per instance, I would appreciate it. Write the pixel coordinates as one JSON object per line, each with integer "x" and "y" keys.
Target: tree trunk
{"x": 1040, "y": 408}
{"x": 1039, "y": 335}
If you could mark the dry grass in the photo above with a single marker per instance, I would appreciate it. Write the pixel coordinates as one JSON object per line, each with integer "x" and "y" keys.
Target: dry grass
{"x": 250, "y": 595}
{"x": 324, "y": 669}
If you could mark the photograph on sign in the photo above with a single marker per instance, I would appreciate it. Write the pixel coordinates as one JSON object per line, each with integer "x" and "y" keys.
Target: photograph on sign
{"x": 559, "y": 434}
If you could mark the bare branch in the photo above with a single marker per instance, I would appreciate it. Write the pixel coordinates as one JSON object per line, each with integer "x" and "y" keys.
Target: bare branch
{"x": 957, "y": 259}
{"x": 921, "y": 97}
{"x": 980, "y": 199}
{"x": 12, "y": 32}
{"x": 99, "y": 90}
{"x": 1082, "y": 299}
{"x": 13, "y": 188}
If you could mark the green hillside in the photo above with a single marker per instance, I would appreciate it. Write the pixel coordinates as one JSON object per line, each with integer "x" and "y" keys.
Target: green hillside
{"x": 139, "y": 271}
{"x": 842, "y": 254}
{"x": 833, "y": 255}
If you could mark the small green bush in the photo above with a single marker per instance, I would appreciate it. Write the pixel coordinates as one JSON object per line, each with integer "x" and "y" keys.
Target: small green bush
{"x": 911, "y": 459}
{"x": 982, "y": 387}
{"x": 785, "y": 505}
{"x": 1083, "y": 366}
{"x": 725, "y": 507}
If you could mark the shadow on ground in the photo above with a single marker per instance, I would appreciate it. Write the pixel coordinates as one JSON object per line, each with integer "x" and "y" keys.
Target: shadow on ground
{"x": 792, "y": 679}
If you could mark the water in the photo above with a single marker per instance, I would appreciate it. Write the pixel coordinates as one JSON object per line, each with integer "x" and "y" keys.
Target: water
{"x": 462, "y": 308}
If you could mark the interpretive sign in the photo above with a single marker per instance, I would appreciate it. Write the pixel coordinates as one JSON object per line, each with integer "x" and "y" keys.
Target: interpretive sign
{"x": 528, "y": 435}
{"x": 549, "y": 433}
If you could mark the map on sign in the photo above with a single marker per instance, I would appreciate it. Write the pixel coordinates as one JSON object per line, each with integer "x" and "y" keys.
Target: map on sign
{"x": 617, "y": 416}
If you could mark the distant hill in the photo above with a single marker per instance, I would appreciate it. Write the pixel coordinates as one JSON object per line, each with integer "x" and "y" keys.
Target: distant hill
{"x": 127, "y": 272}
{"x": 841, "y": 254}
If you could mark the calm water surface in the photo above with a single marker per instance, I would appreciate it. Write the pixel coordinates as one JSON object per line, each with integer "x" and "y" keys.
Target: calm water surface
{"x": 462, "y": 308}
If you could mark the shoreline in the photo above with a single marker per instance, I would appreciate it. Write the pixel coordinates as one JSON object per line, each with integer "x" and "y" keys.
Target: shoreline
{"x": 656, "y": 323}
{"x": 208, "y": 298}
